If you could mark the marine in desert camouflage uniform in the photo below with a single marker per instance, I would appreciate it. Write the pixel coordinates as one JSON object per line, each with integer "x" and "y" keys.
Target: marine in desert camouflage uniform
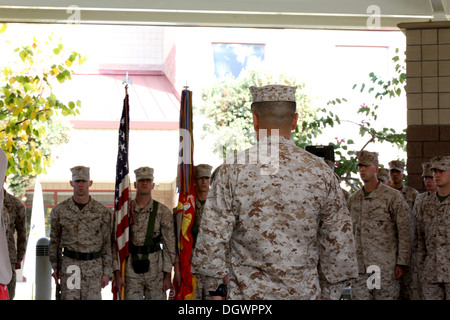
{"x": 151, "y": 283}
{"x": 396, "y": 174}
{"x": 430, "y": 186}
{"x": 275, "y": 223}
{"x": 202, "y": 177}
{"x": 81, "y": 227}
{"x": 17, "y": 223}
{"x": 383, "y": 232}
{"x": 383, "y": 176}
{"x": 433, "y": 244}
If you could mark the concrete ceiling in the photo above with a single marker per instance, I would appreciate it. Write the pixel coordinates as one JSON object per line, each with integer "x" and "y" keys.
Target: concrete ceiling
{"x": 323, "y": 14}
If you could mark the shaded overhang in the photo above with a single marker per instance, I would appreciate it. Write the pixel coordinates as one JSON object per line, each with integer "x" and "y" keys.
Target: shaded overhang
{"x": 326, "y": 14}
{"x": 154, "y": 103}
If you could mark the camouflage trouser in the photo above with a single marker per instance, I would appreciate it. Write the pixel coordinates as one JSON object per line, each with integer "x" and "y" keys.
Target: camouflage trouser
{"x": 406, "y": 285}
{"x": 12, "y": 283}
{"x": 389, "y": 288}
{"x": 145, "y": 286}
{"x": 201, "y": 292}
{"x": 407, "y": 282}
{"x": 436, "y": 291}
{"x": 81, "y": 280}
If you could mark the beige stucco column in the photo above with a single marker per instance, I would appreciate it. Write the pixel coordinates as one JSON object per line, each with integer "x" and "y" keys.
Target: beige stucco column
{"x": 428, "y": 94}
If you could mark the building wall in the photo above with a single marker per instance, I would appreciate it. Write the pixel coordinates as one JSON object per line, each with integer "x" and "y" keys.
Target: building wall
{"x": 164, "y": 192}
{"x": 428, "y": 95}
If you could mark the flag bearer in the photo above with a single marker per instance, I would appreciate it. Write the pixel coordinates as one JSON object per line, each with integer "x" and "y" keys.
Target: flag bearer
{"x": 152, "y": 244}
{"x": 202, "y": 176}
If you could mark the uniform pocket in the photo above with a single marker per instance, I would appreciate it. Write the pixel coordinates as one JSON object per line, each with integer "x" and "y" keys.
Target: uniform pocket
{"x": 381, "y": 220}
{"x": 380, "y": 214}
{"x": 90, "y": 228}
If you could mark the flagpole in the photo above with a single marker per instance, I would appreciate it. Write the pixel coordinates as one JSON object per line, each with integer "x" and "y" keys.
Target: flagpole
{"x": 186, "y": 201}
{"x": 122, "y": 215}
{"x": 123, "y": 263}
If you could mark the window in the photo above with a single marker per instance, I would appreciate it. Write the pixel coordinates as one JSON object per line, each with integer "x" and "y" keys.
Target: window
{"x": 232, "y": 58}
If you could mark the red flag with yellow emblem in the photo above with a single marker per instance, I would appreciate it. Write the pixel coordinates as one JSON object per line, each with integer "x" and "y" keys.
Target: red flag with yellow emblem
{"x": 186, "y": 200}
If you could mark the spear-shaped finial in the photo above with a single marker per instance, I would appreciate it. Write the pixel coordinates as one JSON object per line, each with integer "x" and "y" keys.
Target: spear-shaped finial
{"x": 127, "y": 79}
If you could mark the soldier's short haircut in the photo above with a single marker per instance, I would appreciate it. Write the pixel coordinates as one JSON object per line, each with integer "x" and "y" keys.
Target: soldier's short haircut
{"x": 277, "y": 113}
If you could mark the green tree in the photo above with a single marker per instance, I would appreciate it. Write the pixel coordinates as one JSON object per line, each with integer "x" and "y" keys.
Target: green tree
{"x": 227, "y": 105}
{"x": 30, "y": 111}
{"x": 366, "y": 124}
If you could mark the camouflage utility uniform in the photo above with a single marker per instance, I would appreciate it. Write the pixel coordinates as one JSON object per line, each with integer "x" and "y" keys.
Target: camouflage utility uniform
{"x": 433, "y": 244}
{"x": 406, "y": 282}
{"x": 433, "y": 219}
{"x": 383, "y": 234}
{"x": 149, "y": 285}
{"x": 17, "y": 222}
{"x": 85, "y": 236}
{"x": 200, "y": 291}
{"x": 409, "y": 194}
{"x": 282, "y": 221}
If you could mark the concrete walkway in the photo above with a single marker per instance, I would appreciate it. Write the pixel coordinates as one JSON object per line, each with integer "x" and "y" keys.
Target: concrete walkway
{"x": 26, "y": 291}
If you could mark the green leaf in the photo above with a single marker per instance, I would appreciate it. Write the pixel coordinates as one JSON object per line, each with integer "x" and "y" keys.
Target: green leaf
{"x": 61, "y": 77}
{"x": 362, "y": 87}
{"x": 23, "y": 55}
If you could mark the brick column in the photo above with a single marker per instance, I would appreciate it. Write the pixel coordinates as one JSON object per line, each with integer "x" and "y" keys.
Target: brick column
{"x": 428, "y": 94}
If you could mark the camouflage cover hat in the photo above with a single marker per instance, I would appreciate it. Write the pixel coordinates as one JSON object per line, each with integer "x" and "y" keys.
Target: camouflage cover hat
{"x": 383, "y": 174}
{"x": 397, "y": 165}
{"x": 367, "y": 158}
{"x": 441, "y": 163}
{"x": 80, "y": 173}
{"x": 144, "y": 173}
{"x": 202, "y": 170}
{"x": 273, "y": 93}
{"x": 426, "y": 170}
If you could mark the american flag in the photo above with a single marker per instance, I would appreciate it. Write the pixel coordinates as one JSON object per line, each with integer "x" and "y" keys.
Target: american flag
{"x": 122, "y": 193}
